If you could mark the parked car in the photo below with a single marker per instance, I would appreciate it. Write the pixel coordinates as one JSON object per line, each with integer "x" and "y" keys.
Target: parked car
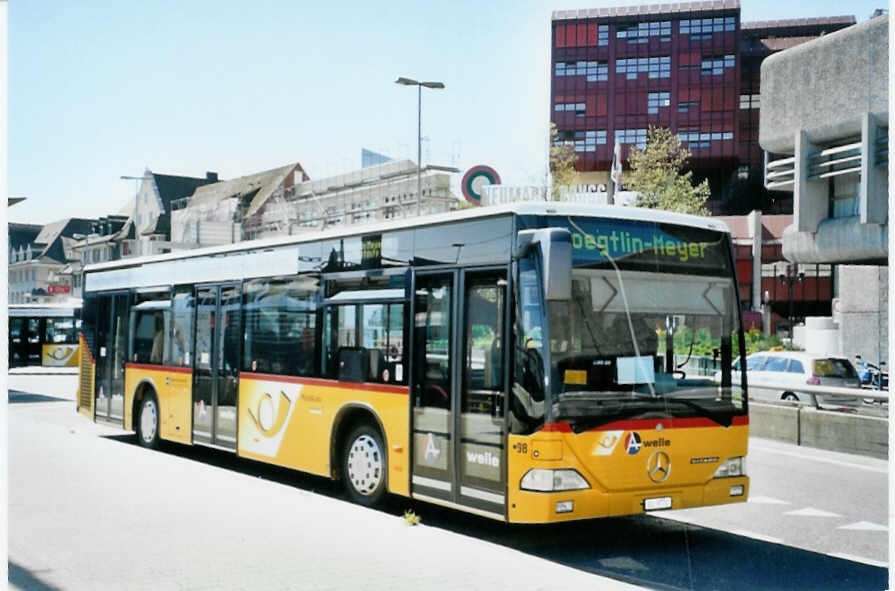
{"x": 790, "y": 369}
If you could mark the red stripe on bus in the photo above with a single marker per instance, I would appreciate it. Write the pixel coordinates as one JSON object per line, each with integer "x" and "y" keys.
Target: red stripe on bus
{"x": 324, "y": 382}
{"x": 557, "y": 428}
{"x": 669, "y": 422}
{"x": 171, "y": 368}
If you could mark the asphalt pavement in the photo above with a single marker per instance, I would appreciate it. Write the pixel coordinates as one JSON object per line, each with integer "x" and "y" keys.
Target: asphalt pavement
{"x": 89, "y": 509}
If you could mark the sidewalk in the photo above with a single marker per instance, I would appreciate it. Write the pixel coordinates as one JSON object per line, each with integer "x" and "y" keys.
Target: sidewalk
{"x": 40, "y": 370}
{"x": 98, "y": 513}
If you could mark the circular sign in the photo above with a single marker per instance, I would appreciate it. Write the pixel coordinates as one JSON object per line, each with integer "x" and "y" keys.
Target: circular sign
{"x": 476, "y": 178}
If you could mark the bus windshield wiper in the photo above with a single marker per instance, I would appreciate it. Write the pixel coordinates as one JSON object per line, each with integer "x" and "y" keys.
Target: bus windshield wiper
{"x": 723, "y": 418}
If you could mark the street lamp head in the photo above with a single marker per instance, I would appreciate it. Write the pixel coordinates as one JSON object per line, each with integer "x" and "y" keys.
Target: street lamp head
{"x": 406, "y": 82}
{"x": 432, "y": 84}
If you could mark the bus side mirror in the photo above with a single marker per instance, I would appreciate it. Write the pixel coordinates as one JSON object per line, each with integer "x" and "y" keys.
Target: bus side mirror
{"x": 555, "y": 250}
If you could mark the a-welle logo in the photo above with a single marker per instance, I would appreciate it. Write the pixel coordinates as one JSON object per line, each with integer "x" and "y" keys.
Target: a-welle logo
{"x": 263, "y": 416}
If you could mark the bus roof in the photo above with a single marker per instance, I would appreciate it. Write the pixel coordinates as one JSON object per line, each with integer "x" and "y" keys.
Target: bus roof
{"x": 521, "y": 208}
{"x": 44, "y": 310}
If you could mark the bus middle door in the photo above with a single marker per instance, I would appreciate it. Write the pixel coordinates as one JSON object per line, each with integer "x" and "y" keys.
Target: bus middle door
{"x": 216, "y": 369}
{"x": 458, "y": 389}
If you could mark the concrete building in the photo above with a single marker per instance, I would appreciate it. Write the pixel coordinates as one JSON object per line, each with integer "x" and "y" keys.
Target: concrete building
{"x": 690, "y": 66}
{"x": 238, "y": 209}
{"x": 766, "y": 297}
{"x": 150, "y": 209}
{"x": 824, "y": 127}
{"x": 284, "y": 201}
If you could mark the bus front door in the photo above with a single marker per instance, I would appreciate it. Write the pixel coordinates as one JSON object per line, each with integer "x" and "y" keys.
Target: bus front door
{"x": 216, "y": 368}
{"x": 18, "y": 352}
{"x": 111, "y": 355}
{"x": 458, "y": 390}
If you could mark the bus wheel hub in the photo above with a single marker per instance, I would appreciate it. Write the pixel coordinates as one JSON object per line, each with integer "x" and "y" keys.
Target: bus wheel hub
{"x": 365, "y": 465}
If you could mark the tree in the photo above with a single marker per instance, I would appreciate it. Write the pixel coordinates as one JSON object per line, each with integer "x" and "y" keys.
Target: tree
{"x": 562, "y": 162}
{"x": 656, "y": 174}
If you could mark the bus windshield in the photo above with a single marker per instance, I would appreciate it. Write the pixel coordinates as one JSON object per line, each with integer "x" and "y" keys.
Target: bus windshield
{"x": 650, "y": 327}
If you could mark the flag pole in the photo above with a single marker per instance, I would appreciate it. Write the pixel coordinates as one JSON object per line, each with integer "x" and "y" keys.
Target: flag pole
{"x": 615, "y": 173}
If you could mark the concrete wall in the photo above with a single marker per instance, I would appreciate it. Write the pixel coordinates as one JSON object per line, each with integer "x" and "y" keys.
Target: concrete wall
{"x": 774, "y": 422}
{"x": 863, "y": 324}
{"x": 837, "y": 240}
{"x": 825, "y": 86}
{"x": 823, "y": 94}
{"x": 835, "y": 431}
{"x": 848, "y": 433}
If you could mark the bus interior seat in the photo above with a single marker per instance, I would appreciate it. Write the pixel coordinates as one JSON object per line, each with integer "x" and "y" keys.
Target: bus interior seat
{"x": 353, "y": 364}
{"x": 375, "y": 364}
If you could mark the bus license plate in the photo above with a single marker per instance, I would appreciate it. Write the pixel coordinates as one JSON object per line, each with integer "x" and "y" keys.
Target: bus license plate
{"x": 657, "y": 504}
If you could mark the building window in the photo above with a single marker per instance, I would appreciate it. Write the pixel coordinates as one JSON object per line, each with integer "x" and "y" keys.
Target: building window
{"x": 641, "y": 32}
{"x": 656, "y": 100}
{"x": 686, "y": 107}
{"x": 700, "y": 139}
{"x": 656, "y": 67}
{"x": 595, "y": 71}
{"x": 714, "y": 65}
{"x": 846, "y": 189}
{"x": 749, "y": 101}
{"x": 631, "y": 136}
{"x": 582, "y": 141}
{"x": 579, "y": 108}
{"x": 603, "y": 35}
{"x": 702, "y": 28}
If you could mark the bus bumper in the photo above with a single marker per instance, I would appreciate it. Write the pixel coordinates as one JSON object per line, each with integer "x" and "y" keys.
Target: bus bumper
{"x": 538, "y": 507}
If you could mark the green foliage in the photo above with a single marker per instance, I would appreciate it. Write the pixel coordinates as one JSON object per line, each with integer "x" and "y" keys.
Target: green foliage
{"x": 704, "y": 345}
{"x": 656, "y": 175}
{"x": 562, "y": 162}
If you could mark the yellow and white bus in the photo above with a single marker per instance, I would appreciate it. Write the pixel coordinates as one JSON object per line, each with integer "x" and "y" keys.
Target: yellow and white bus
{"x": 519, "y": 362}
{"x": 44, "y": 334}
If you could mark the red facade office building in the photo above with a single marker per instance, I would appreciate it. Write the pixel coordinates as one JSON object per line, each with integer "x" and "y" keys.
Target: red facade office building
{"x": 693, "y": 67}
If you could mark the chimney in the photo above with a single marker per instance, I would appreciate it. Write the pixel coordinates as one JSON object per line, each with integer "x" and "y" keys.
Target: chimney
{"x": 211, "y": 176}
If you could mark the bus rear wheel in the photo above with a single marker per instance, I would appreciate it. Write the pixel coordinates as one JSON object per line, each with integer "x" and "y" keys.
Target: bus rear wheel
{"x": 148, "y": 421}
{"x": 364, "y": 465}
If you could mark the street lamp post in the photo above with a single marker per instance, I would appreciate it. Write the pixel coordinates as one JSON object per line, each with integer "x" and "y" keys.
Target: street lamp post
{"x": 789, "y": 278}
{"x": 419, "y": 137}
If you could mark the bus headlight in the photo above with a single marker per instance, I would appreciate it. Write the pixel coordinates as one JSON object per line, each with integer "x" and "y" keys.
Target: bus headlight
{"x": 732, "y": 467}
{"x": 542, "y": 480}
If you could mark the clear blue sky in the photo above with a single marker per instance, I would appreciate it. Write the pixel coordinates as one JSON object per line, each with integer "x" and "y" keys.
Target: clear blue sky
{"x": 103, "y": 89}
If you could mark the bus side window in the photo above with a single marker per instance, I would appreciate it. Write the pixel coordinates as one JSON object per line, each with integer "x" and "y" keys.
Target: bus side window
{"x": 149, "y": 337}
{"x": 183, "y": 306}
{"x": 280, "y": 326}
{"x": 527, "y": 395}
{"x": 149, "y": 328}
{"x": 382, "y": 327}
{"x": 340, "y": 331}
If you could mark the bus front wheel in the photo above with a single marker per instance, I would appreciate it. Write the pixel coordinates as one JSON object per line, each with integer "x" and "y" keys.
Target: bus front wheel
{"x": 364, "y": 465}
{"x": 148, "y": 421}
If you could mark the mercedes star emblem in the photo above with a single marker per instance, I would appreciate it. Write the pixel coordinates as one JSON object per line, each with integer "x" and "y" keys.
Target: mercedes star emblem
{"x": 658, "y": 466}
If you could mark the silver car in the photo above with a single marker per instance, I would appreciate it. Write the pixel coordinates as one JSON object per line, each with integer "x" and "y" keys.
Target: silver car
{"x": 790, "y": 369}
